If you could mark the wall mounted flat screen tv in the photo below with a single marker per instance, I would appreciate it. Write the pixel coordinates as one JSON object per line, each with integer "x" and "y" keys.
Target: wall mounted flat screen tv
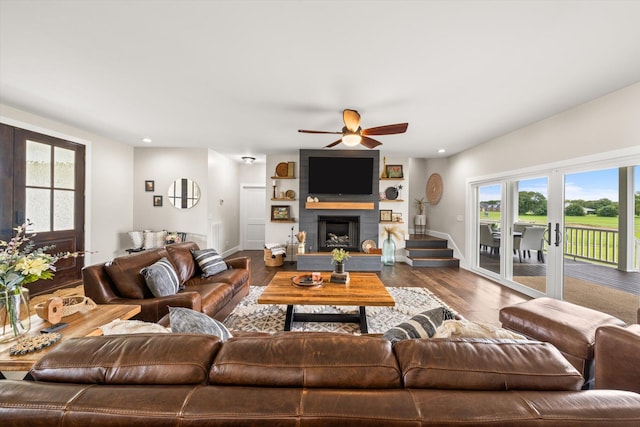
{"x": 340, "y": 175}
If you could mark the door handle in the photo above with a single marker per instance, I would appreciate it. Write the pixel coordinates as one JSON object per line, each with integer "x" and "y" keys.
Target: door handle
{"x": 558, "y": 235}
{"x": 546, "y": 236}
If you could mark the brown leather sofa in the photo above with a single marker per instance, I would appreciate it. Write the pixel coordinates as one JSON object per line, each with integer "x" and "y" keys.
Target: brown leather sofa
{"x": 307, "y": 379}
{"x": 617, "y": 356}
{"x": 120, "y": 282}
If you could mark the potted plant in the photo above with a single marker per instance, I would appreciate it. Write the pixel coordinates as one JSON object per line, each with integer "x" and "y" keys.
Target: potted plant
{"x": 420, "y": 218}
{"x": 338, "y": 257}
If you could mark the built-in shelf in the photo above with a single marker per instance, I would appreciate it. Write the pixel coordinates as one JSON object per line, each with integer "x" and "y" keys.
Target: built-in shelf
{"x": 387, "y": 200}
{"x": 340, "y": 205}
{"x": 283, "y": 177}
{"x": 283, "y": 200}
{"x": 391, "y": 222}
{"x": 283, "y": 220}
{"x": 391, "y": 179}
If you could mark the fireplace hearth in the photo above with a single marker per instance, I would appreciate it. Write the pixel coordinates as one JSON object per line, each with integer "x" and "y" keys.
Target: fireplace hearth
{"x": 338, "y": 232}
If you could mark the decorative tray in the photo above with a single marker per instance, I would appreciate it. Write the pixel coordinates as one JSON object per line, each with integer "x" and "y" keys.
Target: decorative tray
{"x": 305, "y": 280}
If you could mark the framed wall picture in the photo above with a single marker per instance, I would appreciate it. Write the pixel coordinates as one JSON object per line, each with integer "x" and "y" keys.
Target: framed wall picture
{"x": 396, "y": 217}
{"x": 386, "y": 215}
{"x": 280, "y": 213}
{"x": 394, "y": 171}
{"x": 149, "y": 185}
{"x": 157, "y": 200}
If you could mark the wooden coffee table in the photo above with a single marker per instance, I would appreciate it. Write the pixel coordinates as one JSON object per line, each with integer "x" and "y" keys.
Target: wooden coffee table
{"x": 364, "y": 289}
{"x": 78, "y": 325}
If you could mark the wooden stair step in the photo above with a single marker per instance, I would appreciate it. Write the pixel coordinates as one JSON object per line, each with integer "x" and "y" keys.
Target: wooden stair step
{"x": 436, "y": 262}
{"x": 430, "y": 252}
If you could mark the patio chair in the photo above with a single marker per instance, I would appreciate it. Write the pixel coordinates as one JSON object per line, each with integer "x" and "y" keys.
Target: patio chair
{"x": 532, "y": 239}
{"x": 487, "y": 240}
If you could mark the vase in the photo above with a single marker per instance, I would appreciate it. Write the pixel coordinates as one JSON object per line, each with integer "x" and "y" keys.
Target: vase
{"x": 339, "y": 268}
{"x": 15, "y": 319}
{"x": 388, "y": 251}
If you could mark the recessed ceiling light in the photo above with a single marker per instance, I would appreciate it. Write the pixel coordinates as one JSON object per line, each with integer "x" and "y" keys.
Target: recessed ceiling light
{"x": 442, "y": 150}
{"x": 147, "y": 140}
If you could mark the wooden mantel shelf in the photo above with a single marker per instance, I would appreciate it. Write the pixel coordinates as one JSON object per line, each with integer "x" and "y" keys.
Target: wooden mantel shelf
{"x": 339, "y": 205}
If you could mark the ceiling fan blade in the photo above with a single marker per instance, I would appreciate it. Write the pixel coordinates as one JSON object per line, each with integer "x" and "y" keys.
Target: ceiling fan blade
{"x": 318, "y": 131}
{"x": 370, "y": 142}
{"x": 386, "y": 130}
{"x": 333, "y": 144}
{"x": 351, "y": 120}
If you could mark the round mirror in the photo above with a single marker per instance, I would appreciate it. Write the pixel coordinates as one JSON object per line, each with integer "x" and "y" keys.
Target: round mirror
{"x": 184, "y": 193}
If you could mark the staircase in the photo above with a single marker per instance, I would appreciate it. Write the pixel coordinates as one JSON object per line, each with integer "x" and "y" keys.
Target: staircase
{"x": 428, "y": 251}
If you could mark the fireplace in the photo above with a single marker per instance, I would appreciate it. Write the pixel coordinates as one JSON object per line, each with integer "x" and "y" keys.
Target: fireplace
{"x": 338, "y": 232}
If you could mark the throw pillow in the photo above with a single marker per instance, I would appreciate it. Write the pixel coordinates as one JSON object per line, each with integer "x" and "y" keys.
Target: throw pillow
{"x": 209, "y": 261}
{"x": 125, "y": 327}
{"x": 154, "y": 239}
{"x": 136, "y": 239}
{"x": 187, "y": 321}
{"x": 161, "y": 278}
{"x": 421, "y": 325}
{"x": 467, "y": 329}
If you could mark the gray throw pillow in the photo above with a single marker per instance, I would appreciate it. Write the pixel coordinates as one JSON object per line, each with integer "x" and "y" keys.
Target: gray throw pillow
{"x": 209, "y": 261}
{"x": 421, "y": 325}
{"x": 187, "y": 321}
{"x": 161, "y": 278}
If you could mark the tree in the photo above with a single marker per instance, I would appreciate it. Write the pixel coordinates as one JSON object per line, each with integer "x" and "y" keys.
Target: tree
{"x": 608, "y": 211}
{"x": 637, "y": 197}
{"x": 532, "y": 202}
{"x": 574, "y": 209}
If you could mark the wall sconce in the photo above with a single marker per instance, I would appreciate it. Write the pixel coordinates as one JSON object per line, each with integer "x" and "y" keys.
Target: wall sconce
{"x": 248, "y": 160}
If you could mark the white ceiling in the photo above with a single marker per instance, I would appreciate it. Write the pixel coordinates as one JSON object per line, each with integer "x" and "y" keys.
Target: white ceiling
{"x": 241, "y": 77}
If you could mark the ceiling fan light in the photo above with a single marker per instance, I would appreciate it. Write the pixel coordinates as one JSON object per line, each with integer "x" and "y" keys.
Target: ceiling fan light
{"x": 351, "y": 139}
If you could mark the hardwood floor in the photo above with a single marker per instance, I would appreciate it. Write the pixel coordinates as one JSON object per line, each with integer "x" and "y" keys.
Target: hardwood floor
{"x": 474, "y": 297}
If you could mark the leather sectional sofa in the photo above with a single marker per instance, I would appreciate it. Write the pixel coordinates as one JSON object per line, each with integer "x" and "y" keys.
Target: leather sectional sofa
{"x": 307, "y": 379}
{"x": 120, "y": 282}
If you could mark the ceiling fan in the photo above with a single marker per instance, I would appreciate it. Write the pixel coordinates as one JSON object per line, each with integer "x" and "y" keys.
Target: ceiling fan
{"x": 353, "y": 134}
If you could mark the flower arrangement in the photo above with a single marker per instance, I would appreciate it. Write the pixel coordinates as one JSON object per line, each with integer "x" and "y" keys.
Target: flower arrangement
{"x": 392, "y": 231}
{"x": 172, "y": 238}
{"x": 22, "y": 263}
{"x": 339, "y": 256}
{"x": 301, "y": 236}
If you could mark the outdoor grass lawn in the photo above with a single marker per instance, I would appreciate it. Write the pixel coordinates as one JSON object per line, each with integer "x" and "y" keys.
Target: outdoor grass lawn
{"x": 587, "y": 220}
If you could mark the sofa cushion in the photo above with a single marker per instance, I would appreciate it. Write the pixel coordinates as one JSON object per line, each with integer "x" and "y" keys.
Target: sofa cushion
{"x": 485, "y": 364}
{"x": 209, "y": 261}
{"x": 187, "y": 321}
{"x": 422, "y": 325}
{"x": 161, "y": 278}
{"x": 298, "y": 359}
{"x": 237, "y": 278}
{"x": 130, "y": 359}
{"x": 182, "y": 259}
{"x": 124, "y": 272}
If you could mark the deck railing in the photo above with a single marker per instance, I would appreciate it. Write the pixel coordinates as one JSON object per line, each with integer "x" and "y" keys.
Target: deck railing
{"x": 590, "y": 243}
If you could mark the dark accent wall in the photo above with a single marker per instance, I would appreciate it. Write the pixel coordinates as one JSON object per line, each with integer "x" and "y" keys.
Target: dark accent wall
{"x": 309, "y": 217}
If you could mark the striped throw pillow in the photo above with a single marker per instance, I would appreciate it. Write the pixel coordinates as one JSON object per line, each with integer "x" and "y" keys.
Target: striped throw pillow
{"x": 421, "y": 325}
{"x": 187, "y": 321}
{"x": 161, "y": 278}
{"x": 209, "y": 261}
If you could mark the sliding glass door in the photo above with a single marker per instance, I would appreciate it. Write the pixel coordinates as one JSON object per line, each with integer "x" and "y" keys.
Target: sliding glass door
{"x": 571, "y": 234}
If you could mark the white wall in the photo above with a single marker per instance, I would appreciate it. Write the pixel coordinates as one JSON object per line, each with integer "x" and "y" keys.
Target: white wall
{"x": 605, "y": 124}
{"x": 224, "y": 199}
{"x": 109, "y": 193}
{"x": 163, "y": 166}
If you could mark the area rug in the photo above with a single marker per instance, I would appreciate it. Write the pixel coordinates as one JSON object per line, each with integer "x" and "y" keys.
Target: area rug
{"x": 250, "y": 316}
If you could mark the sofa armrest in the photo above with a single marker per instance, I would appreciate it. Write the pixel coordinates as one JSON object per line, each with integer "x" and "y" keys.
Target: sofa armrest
{"x": 153, "y": 309}
{"x": 617, "y": 358}
{"x": 239, "y": 262}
